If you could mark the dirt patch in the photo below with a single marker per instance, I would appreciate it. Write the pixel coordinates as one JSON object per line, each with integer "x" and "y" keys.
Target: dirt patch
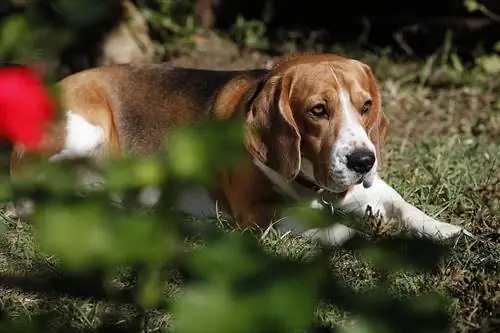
{"x": 418, "y": 113}
{"x": 217, "y": 53}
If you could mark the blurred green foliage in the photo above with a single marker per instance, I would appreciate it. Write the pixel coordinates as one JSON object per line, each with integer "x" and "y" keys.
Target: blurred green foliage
{"x": 172, "y": 21}
{"x": 250, "y": 33}
{"x": 446, "y": 67}
{"x": 232, "y": 284}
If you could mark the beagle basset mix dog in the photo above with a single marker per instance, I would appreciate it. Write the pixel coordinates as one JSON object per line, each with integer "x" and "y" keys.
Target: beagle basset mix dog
{"x": 313, "y": 130}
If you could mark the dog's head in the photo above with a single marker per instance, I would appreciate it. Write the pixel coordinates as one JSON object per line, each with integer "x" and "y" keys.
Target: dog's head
{"x": 320, "y": 114}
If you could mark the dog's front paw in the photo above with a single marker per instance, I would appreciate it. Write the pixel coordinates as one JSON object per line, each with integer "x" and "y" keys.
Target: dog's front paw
{"x": 441, "y": 230}
{"x": 335, "y": 235}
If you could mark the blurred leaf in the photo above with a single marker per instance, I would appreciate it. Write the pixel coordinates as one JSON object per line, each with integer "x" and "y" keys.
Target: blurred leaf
{"x": 14, "y": 33}
{"x": 173, "y": 16}
{"x": 197, "y": 152}
{"x": 250, "y": 33}
{"x": 404, "y": 253}
{"x": 308, "y": 217}
{"x": 471, "y": 5}
{"x": 316, "y": 218}
{"x": 86, "y": 13}
{"x": 426, "y": 70}
{"x": 54, "y": 178}
{"x": 244, "y": 289}
{"x": 328, "y": 216}
{"x": 362, "y": 325}
{"x": 5, "y": 189}
{"x": 457, "y": 63}
{"x": 496, "y": 47}
{"x": 286, "y": 307}
{"x": 149, "y": 288}
{"x": 93, "y": 233}
{"x": 134, "y": 172}
{"x": 22, "y": 40}
{"x": 489, "y": 63}
{"x": 20, "y": 325}
{"x": 211, "y": 262}
{"x": 424, "y": 314}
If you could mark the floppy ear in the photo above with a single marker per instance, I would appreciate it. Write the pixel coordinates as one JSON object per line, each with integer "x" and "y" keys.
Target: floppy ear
{"x": 379, "y": 125}
{"x": 272, "y": 135}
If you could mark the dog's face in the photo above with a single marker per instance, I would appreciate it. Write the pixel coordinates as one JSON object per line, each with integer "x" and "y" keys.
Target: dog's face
{"x": 321, "y": 114}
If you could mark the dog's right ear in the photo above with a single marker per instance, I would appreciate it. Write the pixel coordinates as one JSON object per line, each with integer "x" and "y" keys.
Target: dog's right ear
{"x": 272, "y": 135}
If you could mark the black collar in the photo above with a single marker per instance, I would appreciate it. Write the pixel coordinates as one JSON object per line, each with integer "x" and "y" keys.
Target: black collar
{"x": 308, "y": 183}
{"x": 327, "y": 196}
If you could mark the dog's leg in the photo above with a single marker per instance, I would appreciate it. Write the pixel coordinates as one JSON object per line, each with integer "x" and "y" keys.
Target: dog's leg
{"x": 334, "y": 235}
{"x": 384, "y": 201}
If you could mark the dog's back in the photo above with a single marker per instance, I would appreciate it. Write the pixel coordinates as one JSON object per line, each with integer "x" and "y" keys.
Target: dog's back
{"x": 137, "y": 105}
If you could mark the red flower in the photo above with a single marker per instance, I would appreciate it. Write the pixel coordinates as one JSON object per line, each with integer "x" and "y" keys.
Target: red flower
{"x": 26, "y": 106}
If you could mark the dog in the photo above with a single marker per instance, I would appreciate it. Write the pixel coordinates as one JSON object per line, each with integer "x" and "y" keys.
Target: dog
{"x": 313, "y": 124}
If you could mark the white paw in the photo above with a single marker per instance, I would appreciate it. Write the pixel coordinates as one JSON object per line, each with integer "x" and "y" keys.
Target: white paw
{"x": 335, "y": 235}
{"x": 442, "y": 230}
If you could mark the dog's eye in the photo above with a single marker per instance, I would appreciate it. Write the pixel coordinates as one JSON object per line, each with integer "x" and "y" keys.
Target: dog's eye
{"x": 319, "y": 110}
{"x": 366, "y": 107}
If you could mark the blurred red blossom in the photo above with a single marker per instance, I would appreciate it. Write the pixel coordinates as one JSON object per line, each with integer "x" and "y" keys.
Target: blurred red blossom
{"x": 26, "y": 106}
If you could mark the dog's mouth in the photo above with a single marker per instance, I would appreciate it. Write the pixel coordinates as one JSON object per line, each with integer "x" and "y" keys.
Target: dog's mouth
{"x": 317, "y": 187}
{"x": 368, "y": 178}
{"x": 335, "y": 181}
{"x": 336, "y": 187}
{"x": 343, "y": 184}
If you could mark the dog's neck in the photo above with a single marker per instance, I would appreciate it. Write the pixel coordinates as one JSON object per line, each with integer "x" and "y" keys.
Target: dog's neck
{"x": 301, "y": 180}
{"x": 308, "y": 183}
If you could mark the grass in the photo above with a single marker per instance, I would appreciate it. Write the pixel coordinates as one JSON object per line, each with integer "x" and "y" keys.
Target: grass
{"x": 442, "y": 156}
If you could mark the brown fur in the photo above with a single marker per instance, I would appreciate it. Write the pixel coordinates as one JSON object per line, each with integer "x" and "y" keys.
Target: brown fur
{"x": 136, "y": 105}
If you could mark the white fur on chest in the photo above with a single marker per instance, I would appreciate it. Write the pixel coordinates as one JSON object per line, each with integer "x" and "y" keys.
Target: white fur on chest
{"x": 82, "y": 139}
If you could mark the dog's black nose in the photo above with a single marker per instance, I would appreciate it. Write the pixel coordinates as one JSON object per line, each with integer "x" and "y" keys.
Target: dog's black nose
{"x": 361, "y": 161}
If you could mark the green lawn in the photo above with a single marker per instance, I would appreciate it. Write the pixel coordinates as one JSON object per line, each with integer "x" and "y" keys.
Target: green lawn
{"x": 442, "y": 155}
